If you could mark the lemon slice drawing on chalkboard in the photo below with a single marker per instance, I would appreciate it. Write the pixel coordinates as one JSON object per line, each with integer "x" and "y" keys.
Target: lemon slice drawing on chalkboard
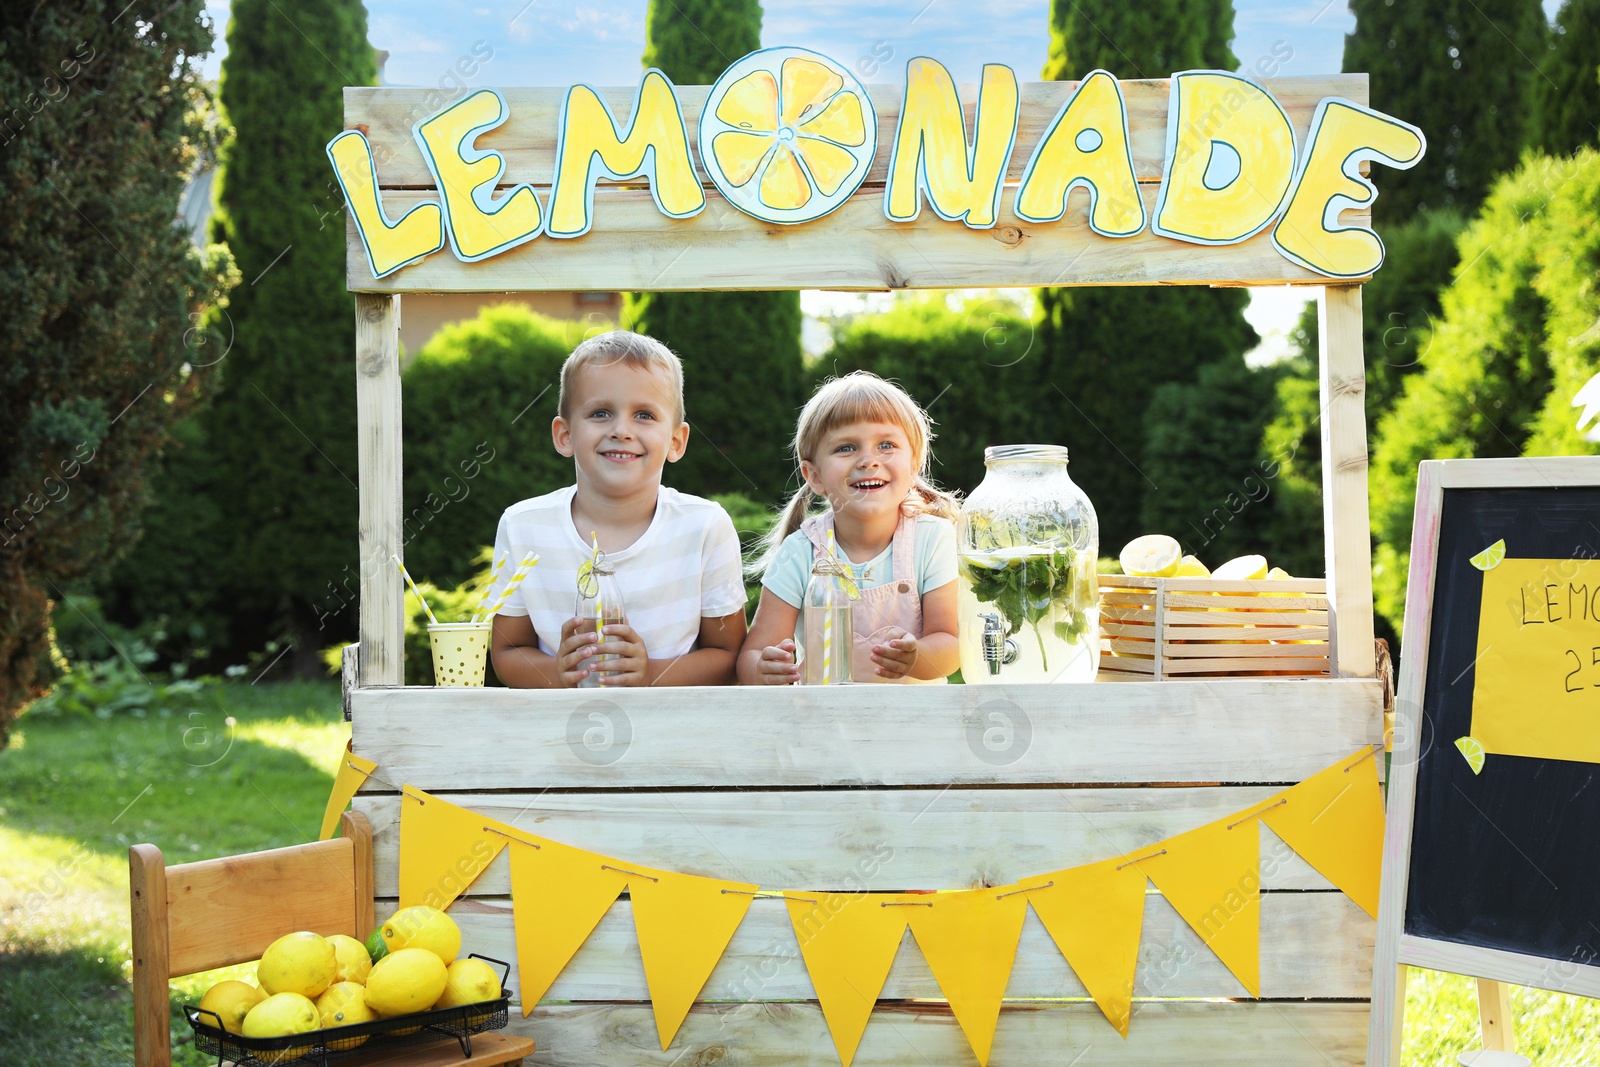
{"x": 1491, "y": 557}
{"x": 1472, "y": 751}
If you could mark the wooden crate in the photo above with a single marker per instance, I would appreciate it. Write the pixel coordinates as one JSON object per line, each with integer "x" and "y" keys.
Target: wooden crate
{"x": 1155, "y": 629}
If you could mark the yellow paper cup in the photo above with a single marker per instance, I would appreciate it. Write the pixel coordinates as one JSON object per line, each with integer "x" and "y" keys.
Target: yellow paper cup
{"x": 460, "y": 652}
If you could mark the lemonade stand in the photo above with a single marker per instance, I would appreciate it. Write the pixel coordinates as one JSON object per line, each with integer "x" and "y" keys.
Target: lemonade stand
{"x": 699, "y": 875}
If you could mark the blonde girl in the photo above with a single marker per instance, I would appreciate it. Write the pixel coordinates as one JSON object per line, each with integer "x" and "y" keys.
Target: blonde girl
{"x": 862, "y": 445}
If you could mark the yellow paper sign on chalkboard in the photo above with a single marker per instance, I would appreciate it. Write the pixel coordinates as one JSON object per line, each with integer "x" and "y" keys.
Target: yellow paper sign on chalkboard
{"x": 1538, "y": 676}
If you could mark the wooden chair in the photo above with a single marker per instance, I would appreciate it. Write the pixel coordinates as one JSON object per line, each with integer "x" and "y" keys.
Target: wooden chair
{"x": 215, "y": 913}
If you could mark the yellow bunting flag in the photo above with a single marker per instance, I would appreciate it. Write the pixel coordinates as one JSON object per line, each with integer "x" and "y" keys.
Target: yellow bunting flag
{"x": 1094, "y": 914}
{"x": 1212, "y": 876}
{"x": 353, "y": 770}
{"x": 442, "y": 849}
{"x": 1334, "y": 820}
{"x": 684, "y": 923}
{"x": 970, "y": 942}
{"x": 558, "y": 896}
{"x": 849, "y": 943}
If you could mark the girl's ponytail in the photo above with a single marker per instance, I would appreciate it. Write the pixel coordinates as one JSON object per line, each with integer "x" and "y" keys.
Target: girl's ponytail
{"x": 789, "y": 520}
{"x": 927, "y": 498}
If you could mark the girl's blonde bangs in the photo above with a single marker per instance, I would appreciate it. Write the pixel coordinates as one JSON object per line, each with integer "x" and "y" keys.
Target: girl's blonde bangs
{"x": 860, "y": 398}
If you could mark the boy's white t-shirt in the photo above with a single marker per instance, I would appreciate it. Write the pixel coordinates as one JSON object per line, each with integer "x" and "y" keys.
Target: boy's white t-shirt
{"x": 685, "y": 567}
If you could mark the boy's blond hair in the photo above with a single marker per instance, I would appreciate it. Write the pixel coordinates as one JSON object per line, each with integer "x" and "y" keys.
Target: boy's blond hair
{"x": 630, "y": 349}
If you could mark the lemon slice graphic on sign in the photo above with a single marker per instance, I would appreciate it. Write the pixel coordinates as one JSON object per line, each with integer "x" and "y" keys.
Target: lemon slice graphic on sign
{"x": 787, "y": 135}
{"x": 1473, "y": 752}
{"x": 1491, "y": 557}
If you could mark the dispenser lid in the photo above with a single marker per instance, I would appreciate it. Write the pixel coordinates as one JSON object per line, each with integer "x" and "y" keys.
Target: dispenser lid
{"x": 1035, "y": 453}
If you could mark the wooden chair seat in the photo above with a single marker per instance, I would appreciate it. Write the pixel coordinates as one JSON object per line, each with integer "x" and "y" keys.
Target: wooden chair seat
{"x": 215, "y": 913}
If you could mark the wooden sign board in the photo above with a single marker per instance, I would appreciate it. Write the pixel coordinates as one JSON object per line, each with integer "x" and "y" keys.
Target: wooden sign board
{"x": 1489, "y": 860}
{"x": 628, "y": 239}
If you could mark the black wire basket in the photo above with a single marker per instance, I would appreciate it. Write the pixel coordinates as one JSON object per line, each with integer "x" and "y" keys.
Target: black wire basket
{"x": 323, "y": 1047}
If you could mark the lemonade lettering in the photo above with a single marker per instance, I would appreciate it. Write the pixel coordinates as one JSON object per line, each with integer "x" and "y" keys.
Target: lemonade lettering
{"x": 789, "y": 136}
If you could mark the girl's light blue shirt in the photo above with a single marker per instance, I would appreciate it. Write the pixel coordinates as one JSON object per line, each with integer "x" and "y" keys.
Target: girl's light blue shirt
{"x": 935, "y": 546}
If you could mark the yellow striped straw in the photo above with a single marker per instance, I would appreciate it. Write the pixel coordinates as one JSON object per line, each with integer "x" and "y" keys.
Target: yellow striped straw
{"x": 494, "y": 576}
{"x": 599, "y": 606}
{"x": 827, "y": 627}
{"x": 511, "y": 584}
{"x": 418, "y": 593}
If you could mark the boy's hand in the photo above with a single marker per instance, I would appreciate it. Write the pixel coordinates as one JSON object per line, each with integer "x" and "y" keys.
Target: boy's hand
{"x": 575, "y": 648}
{"x": 626, "y": 660}
{"x": 777, "y": 666}
{"x": 896, "y": 656}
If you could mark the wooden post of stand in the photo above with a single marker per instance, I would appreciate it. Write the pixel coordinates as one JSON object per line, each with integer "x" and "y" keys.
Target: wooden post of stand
{"x": 382, "y": 660}
{"x": 1346, "y": 530}
{"x": 1494, "y": 1016}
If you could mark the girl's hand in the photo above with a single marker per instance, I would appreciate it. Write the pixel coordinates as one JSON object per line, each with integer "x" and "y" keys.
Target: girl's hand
{"x": 575, "y": 648}
{"x": 777, "y": 665}
{"x": 895, "y": 656}
{"x": 627, "y": 662}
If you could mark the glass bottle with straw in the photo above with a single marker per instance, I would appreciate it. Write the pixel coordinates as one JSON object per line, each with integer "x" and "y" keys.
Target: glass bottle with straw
{"x": 599, "y": 603}
{"x": 828, "y": 630}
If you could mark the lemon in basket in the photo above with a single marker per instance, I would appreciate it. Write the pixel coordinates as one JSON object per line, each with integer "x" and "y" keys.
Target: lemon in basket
{"x": 231, "y": 1001}
{"x": 421, "y": 926}
{"x": 301, "y": 962}
{"x": 345, "y": 1004}
{"x": 352, "y": 963}
{"x": 1191, "y": 567}
{"x": 1151, "y": 556}
{"x": 469, "y": 981}
{"x": 405, "y": 981}
{"x": 1242, "y": 569}
{"x": 280, "y": 1015}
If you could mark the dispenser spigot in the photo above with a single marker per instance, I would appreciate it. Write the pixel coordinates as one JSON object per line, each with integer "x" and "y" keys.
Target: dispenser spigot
{"x": 998, "y": 649}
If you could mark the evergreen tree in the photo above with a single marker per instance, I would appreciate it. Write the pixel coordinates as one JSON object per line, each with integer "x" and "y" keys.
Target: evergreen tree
{"x": 98, "y": 280}
{"x": 1201, "y": 442}
{"x": 1568, "y": 90}
{"x": 1461, "y": 71}
{"x": 742, "y": 370}
{"x": 1515, "y": 342}
{"x": 1399, "y": 307}
{"x": 1102, "y": 352}
{"x": 275, "y": 452}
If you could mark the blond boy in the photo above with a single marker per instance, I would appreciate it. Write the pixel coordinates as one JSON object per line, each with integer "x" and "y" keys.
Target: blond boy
{"x": 676, "y": 557}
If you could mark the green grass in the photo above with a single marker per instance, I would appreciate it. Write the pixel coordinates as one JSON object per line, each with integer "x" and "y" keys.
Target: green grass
{"x": 74, "y": 795}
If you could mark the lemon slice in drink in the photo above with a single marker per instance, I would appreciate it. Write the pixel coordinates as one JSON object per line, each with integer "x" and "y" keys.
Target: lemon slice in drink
{"x": 1151, "y": 556}
{"x": 787, "y": 135}
{"x": 1491, "y": 557}
{"x": 1473, "y": 751}
{"x": 1242, "y": 569}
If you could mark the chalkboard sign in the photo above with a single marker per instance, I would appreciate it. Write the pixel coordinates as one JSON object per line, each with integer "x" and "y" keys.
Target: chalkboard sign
{"x": 1492, "y": 853}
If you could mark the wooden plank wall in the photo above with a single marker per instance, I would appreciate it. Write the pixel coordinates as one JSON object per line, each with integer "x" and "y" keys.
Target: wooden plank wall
{"x": 633, "y": 246}
{"x": 825, "y": 791}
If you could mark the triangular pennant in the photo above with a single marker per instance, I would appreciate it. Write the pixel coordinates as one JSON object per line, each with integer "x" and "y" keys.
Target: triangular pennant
{"x": 849, "y": 943}
{"x": 442, "y": 849}
{"x": 1212, "y": 876}
{"x": 353, "y": 770}
{"x": 684, "y": 923}
{"x": 970, "y": 942}
{"x": 558, "y": 896}
{"x": 1094, "y": 913}
{"x": 1334, "y": 820}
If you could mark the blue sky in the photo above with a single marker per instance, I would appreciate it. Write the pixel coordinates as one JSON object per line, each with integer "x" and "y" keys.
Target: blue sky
{"x": 553, "y": 42}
